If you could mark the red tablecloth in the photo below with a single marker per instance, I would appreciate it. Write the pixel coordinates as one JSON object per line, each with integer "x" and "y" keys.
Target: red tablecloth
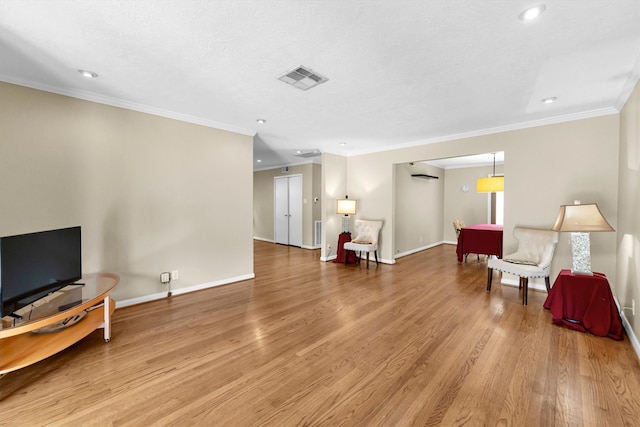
{"x": 483, "y": 239}
{"x": 585, "y": 303}
{"x": 341, "y": 253}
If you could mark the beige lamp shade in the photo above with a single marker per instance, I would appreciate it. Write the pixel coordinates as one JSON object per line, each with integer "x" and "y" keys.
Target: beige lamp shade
{"x": 346, "y": 207}
{"x": 581, "y": 218}
{"x": 493, "y": 184}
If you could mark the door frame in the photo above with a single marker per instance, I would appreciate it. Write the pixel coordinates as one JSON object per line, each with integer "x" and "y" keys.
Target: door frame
{"x": 301, "y": 207}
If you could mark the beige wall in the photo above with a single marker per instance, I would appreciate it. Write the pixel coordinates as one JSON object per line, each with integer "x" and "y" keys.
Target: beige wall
{"x": 334, "y": 183}
{"x": 419, "y": 207}
{"x": 424, "y": 213}
{"x": 469, "y": 206}
{"x": 627, "y": 283}
{"x": 311, "y": 209}
{"x": 263, "y": 199}
{"x": 316, "y": 193}
{"x": 557, "y": 164}
{"x": 544, "y": 167}
{"x": 151, "y": 194}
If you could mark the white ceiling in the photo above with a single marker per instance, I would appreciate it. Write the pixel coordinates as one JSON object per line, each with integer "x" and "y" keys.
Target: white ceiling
{"x": 401, "y": 72}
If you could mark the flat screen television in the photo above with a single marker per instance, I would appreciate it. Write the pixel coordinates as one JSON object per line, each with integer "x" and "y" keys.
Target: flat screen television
{"x": 34, "y": 265}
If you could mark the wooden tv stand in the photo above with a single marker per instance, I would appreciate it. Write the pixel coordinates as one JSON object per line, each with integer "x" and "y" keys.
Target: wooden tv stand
{"x": 23, "y": 342}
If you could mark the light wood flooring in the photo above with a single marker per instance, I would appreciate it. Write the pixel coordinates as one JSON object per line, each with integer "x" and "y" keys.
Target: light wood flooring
{"x": 311, "y": 343}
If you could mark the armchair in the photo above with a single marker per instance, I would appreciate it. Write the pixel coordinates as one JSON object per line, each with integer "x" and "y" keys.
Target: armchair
{"x": 457, "y": 225}
{"x": 532, "y": 258}
{"x": 366, "y": 240}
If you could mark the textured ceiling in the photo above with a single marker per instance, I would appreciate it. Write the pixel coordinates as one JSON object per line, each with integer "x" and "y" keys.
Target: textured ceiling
{"x": 400, "y": 72}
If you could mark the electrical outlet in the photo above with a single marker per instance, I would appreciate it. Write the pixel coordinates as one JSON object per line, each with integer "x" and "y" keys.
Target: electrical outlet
{"x": 175, "y": 275}
{"x": 165, "y": 278}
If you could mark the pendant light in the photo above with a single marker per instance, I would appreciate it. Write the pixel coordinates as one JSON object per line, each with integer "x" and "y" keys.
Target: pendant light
{"x": 492, "y": 184}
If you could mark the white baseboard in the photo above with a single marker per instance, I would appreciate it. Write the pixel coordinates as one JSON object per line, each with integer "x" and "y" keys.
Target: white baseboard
{"x": 372, "y": 260}
{"x": 140, "y": 300}
{"x": 420, "y": 249}
{"x": 627, "y": 327}
{"x": 264, "y": 240}
{"x": 273, "y": 241}
{"x": 535, "y": 284}
{"x": 179, "y": 291}
{"x": 380, "y": 260}
{"x": 630, "y": 334}
{"x": 311, "y": 247}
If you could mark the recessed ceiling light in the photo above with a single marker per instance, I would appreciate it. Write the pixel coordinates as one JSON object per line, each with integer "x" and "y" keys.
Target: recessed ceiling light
{"x": 298, "y": 151}
{"x": 88, "y": 74}
{"x": 532, "y": 12}
{"x": 550, "y": 100}
{"x": 343, "y": 143}
{"x": 258, "y": 161}
{"x": 261, "y": 121}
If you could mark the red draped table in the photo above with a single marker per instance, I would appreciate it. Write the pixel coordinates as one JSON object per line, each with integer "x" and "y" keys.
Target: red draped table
{"x": 585, "y": 303}
{"x": 341, "y": 253}
{"x": 485, "y": 239}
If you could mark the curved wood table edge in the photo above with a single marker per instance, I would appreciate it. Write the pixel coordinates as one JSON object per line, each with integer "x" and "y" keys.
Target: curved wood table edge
{"x": 20, "y": 348}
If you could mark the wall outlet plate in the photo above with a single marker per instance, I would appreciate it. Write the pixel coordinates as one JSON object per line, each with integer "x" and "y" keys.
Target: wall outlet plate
{"x": 165, "y": 277}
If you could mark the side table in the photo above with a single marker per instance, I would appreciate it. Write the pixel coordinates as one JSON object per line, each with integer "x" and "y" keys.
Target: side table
{"x": 585, "y": 303}
{"x": 341, "y": 253}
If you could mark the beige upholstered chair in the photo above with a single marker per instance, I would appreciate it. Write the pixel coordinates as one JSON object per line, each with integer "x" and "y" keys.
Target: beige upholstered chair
{"x": 532, "y": 259}
{"x": 366, "y": 240}
{"x": 457, "y": 225}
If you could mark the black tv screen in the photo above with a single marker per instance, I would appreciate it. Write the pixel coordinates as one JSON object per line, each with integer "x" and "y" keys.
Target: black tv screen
{"x": 36, "y": 264}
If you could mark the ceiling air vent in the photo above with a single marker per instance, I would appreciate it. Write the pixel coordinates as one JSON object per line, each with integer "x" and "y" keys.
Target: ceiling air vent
{"x": 303, "y": 78}
{"x": 308, "y": 154}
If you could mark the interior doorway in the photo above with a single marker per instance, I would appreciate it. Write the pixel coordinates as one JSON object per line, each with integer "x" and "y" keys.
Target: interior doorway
{"x": 495, "y": 208}
{"x": 288, "y": 210}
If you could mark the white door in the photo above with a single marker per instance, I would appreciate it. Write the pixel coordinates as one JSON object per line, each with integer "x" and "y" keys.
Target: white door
{"x": 295, "y": 210}
{"x": 281, "y": 215}
{"x": 288, "y": 210}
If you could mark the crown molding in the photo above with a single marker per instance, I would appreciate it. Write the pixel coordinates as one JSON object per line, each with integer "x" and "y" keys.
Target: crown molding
{"x": 114, "y": 102}
{"x": 269, "y": 167}
{"x": 628, "y": 86}
{"x": 489, "y": 131}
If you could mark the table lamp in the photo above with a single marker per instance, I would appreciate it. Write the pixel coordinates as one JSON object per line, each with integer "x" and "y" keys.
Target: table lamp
{"x": 580, "y": 220}
{"x": 345, "y": 207}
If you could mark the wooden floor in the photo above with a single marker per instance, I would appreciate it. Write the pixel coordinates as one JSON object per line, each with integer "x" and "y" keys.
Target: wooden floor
{"x": 311, "y": 343}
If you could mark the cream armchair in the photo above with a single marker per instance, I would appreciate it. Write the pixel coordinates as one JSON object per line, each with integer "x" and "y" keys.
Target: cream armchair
{"x": 366, "y": 240}
{"x": 532, "y": 258}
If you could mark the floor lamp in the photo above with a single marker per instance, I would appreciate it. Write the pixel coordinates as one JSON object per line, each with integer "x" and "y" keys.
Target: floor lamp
{"x": 580, "y": 220}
